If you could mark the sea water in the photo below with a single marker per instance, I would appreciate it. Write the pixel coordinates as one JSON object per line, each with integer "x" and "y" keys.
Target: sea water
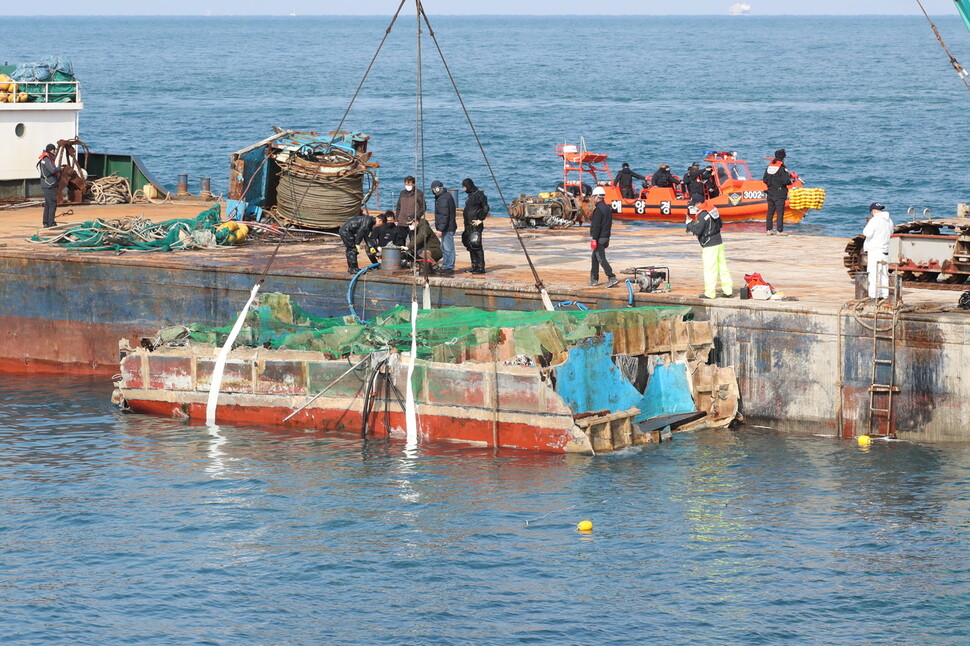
{"x": 868, "y": 108}
{"x": 127, "y": 529}
{"x": 121, "y": 529}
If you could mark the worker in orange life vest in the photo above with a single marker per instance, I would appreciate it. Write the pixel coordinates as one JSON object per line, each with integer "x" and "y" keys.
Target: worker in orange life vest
{"x": 777, "y": 179}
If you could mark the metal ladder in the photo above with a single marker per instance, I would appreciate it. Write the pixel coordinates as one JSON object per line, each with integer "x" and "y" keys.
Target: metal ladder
{"x": 883, "y": 386}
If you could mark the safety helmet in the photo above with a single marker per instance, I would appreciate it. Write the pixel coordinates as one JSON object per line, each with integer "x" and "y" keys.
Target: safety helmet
{"x": 599, "y": 190}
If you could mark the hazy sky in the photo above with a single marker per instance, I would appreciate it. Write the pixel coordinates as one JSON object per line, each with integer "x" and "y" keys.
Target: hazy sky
{"x": 465, "y": 7}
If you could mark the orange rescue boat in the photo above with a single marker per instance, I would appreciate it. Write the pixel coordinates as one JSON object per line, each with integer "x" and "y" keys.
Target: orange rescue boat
{"x": 737, "y": 195}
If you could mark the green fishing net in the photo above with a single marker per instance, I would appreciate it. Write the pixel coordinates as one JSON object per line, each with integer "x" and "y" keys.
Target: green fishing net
{"x": 443, "y": 334}
{"x": 141, "y": 234}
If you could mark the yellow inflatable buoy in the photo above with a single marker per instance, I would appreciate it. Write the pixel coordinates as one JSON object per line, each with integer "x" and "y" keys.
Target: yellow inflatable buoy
{"x": 585, "y": 526}
{"x": 864, "y": 440}
{"x": 237, "y": 231}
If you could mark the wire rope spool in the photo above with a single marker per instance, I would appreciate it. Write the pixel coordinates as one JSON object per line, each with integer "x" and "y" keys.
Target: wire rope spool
{"x": 322, "y": 188}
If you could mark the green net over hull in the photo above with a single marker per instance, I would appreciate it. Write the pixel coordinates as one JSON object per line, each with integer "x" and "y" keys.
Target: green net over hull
{"x": 141, "y": 234}
{"x": 444, "y": 334}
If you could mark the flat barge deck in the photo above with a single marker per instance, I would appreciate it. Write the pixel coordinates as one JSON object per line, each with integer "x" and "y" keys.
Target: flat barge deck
{"x": 806, "y": 361}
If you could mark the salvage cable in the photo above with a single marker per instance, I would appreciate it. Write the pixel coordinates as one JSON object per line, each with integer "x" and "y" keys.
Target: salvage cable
{"x": 387, "y": 32}
{"x": 360, "y": 85}
{"x": 220, "y": 363}
{"x": 546, "y": 301}
{"x": 960, "y": 69}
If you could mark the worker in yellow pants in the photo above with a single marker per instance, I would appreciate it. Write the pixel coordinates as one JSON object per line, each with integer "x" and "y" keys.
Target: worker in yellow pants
{"x": 715, "y": 268}
{"x": 707, "y": 228}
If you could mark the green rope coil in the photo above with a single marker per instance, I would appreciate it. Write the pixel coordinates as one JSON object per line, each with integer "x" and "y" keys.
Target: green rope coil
{"x": 140, "y": 234}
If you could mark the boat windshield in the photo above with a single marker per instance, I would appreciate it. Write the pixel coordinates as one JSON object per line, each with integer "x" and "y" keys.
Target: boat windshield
{"x": 727, "y": 171}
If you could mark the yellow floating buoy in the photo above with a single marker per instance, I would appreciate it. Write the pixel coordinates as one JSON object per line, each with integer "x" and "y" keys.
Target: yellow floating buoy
{"x": 585, "y": 526}
{"x": 864, "y": 440}
{"x": 237, "y": 231}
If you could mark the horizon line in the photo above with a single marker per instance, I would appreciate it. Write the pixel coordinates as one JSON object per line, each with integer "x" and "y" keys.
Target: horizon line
{"x": 463, "y": 15}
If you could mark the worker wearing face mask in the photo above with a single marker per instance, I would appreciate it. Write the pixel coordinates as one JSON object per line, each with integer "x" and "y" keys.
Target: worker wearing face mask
{"x": 409, "y": 202}
{"x": 422, "y": 241}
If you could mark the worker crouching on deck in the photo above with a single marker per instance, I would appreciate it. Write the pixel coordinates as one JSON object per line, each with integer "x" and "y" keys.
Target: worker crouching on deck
{"x": 423, "y": 244}
{"x": 474, "y": 213}
{"x": 707, "y": 228}
{"x": 353, "y": 233}
{"x": 878, "y": 230}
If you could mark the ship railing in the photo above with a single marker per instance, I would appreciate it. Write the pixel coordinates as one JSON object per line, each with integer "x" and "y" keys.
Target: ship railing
{"x": 47, "y": 91}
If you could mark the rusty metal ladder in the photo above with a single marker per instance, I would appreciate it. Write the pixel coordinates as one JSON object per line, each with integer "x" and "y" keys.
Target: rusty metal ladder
{"x": 883, "y": 386}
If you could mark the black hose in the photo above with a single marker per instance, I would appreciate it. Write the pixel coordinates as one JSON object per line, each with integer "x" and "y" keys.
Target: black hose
{"x": 368, "y": 403}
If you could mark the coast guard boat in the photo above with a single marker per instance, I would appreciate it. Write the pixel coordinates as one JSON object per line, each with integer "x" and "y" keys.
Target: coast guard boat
{"x": 740, "y": 197}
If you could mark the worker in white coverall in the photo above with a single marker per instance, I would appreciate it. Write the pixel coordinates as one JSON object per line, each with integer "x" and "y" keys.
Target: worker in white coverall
{"x": 707, "y": 228}
{"x": 877, "y": 232}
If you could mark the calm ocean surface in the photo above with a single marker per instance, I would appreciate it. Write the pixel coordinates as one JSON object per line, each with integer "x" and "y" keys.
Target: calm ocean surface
{"x": 122, "y": 529}
{"x": 867, "y": 107}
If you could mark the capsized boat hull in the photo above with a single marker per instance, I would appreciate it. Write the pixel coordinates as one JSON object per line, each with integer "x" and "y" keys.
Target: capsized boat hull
{"x": 582, "y": 404}
{"x": 435, "y": 423}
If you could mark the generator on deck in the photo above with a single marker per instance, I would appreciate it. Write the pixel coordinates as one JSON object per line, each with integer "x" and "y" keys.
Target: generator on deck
{"x": 651, "y": 279}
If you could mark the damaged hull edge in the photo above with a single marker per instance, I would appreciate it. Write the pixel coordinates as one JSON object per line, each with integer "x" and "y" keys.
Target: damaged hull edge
{"x": 485, "y": 403}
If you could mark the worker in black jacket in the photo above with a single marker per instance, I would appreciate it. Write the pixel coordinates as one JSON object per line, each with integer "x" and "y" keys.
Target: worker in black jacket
{"x": 710, "y": 183}
{"x": 353, "y": 233}
{"x": 446, "y": 224}
{"x": 624, "y": 180}
{"x": 49, "y": 179}
{"x": 696, "y": 186}
{"x": 662, "y": 177}
{"x": 777, "y": 179}
{"x": 690, "y": 174}
{"x": 475, "y": 212}
{"x": 600, "y": 229}
{"x": 384, "y": 233}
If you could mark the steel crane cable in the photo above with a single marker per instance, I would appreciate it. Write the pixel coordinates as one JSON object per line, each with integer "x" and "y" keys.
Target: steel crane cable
{"x": 960, "y": 69}
{"x": 535, "y": 274}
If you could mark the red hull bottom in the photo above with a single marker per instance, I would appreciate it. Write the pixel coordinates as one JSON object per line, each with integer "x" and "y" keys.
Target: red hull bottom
{"x": 504, "y": 433}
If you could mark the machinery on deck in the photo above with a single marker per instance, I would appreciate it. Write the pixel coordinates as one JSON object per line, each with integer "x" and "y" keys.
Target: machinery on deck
{"x": 554, "y": 210}
{"x": 650, "y": 279}
{"x": 930, "y": 253}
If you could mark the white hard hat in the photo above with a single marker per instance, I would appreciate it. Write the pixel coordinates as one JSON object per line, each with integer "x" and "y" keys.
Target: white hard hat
{"x": 599, "y": 190}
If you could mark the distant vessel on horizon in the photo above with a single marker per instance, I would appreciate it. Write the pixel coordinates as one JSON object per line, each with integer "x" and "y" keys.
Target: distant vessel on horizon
{"x": 739, "y": 9}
